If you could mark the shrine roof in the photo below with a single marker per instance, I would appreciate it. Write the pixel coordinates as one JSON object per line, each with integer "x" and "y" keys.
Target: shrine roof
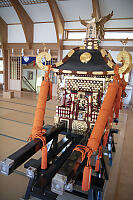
{"x": 86, "y": 60}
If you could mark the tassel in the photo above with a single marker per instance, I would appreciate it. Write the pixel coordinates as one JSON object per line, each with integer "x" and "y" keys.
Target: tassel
{"x": 118, "y": 103}
{"x": 97, "y": 164}
{"x": 44, "y": 157}
{"x": 86, "y": 178}
{"x": 121, "y": 104}
{"x": 34, "y": 63}
{"x": 105, "y": 138}
{"x": 50, "y": 90}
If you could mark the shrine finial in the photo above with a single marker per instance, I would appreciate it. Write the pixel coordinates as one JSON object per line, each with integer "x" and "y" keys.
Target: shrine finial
{"x": 95, "y": 27}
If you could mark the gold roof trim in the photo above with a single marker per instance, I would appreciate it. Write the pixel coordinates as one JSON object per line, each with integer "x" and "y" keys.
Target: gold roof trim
{"x": 71, "y": 52}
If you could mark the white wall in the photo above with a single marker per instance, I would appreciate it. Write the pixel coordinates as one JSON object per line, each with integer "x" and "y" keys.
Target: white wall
{"x": 15, "y": 85}
{"x": 115, "y": 43}
{"x": 1, "y": 78}
{"x": 74, "y": 25}
{"x": 16, "y": 34}
{"x": 45, "y": 33}
{"x": 75, "y": 43}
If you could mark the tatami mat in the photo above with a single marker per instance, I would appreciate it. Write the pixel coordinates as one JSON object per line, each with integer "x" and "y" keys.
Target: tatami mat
{"x": 8, "y": 146}
{"x": 16, "y": 119}
{"x": 125, "y": 181}
{"x": 12, "y": 187}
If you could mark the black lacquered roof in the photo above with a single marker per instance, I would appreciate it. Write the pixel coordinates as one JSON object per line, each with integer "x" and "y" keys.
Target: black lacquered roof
{"x": 96, "y": 63}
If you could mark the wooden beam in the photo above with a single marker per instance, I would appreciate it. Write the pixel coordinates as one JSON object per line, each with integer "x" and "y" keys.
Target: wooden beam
{"x": 30, "y": 49}
{"x": 40, "y": 46}
{"x": 3, "y": 31}
{"x": 16, "y": 46}
{"x": 31, "y": 46}
{"x": 3, "y": 39}
{"x": 25, "y": 20}
{"x": 59, "y": 25}
{"x": 6, "y": 66}
{"x": 96, "y": 9}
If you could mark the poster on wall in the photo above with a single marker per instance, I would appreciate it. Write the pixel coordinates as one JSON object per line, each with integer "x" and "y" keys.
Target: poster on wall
{"x": 30, "y": 75}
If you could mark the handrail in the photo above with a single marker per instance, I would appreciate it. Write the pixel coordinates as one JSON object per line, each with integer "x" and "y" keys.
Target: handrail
{"x": 26, "y": 80}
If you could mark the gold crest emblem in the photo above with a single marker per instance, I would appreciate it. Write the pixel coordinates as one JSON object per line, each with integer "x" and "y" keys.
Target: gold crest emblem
{"x": 85, "y": 57}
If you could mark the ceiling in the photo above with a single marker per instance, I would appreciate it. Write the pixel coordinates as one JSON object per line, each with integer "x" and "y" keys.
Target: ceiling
{"x": 6, "y": 3}
{"x": 71, "y": 9}
{"x": 39, "y": 11}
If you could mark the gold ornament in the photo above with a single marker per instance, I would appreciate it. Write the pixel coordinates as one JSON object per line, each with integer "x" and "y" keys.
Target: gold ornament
{"x": 126, "y": 59}
{"x": 82, "y": 47}
{"x": 89, "y": 47}
{"x": 89, "y": 43}
{"x": 109, "y": 56}
{"x": 95, "y": 46}
{"x": 39, "y": 58}
{"x": 59, "y": 63}
{"x": 79, "y": 126}
{"x": 110, "y": 63}
{"x": 103, "y": 52}
{"x": 85, "y": 57}
{"x": 71, "y": 52}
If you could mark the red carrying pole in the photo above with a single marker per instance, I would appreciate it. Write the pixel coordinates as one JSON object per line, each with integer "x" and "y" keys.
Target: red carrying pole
{"x": 37, "y": 130}
{"x": 104, "y": 113}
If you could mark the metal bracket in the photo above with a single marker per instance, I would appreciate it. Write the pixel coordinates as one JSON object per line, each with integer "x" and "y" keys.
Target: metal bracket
{"x": 5, "y": 166}
{"x": 30, "y": 172}
{"x": 58, "y": 184}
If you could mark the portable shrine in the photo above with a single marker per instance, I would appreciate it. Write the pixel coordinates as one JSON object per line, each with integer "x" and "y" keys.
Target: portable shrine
{"x": 83, "y": 78}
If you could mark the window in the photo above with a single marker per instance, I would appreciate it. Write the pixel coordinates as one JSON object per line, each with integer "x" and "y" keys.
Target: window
{"x": 118, "y": 35}
{"x": 15, "y": 68}
{"x": 75, "y": 34}
{"x": 1, "y": 65}
{"x": 80, "y": 34}
{"x": 1, "y": 53}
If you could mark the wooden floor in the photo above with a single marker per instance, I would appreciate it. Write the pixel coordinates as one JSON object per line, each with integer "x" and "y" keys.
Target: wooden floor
{"x": 16, "y": 119}
{"x": 125, "y": 181}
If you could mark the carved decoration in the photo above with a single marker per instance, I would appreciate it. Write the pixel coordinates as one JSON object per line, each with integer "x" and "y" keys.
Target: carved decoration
{"x": 95, "y": 27}
{"x": 126, "y": 59}
{"x": 42, "y": 55}
{"x": 85, "y": 57}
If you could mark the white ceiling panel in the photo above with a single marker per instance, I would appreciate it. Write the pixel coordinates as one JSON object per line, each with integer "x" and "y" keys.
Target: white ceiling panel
{"x": 119, "y": 23}
{"x": 9, "y": 15}
{"x": 39, "y": 12}
{"x": 72, "y": 9}
{"x": 121, "y": 8}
